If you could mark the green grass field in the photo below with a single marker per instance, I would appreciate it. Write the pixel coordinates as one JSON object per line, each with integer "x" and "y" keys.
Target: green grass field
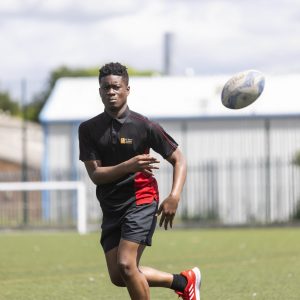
{"x": 236, "y": 264}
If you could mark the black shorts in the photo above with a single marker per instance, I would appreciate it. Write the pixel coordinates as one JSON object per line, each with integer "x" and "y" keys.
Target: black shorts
{"x": 136, "y": 223}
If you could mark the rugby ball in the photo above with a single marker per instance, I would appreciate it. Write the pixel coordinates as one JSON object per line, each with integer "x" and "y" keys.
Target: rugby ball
{"x": 242, "y": 89}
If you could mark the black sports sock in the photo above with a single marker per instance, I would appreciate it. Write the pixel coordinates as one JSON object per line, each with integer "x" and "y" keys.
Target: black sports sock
{"x": 179, "y": 283}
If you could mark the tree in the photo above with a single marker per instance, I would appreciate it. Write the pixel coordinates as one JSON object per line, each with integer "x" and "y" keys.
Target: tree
{"x": 8, "y": 105}
{"x": 296, "y": 159}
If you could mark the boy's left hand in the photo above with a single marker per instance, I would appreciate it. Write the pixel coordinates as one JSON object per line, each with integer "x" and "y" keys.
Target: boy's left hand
{"x": 167, "y": 210}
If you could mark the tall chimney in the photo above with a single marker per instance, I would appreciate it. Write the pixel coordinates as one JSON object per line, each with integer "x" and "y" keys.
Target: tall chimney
{"x": 168, "y": 49}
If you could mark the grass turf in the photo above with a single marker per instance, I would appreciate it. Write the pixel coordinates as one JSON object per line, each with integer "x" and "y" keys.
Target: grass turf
{"x": 236, "y": 264}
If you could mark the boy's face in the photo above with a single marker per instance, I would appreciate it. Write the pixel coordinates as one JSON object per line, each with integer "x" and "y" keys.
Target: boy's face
{"x": 113, "y": 92}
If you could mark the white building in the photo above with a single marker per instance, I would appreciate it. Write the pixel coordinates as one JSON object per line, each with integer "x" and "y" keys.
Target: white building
{"x": 19, "y": 139}
{"x": 239, "y": 161}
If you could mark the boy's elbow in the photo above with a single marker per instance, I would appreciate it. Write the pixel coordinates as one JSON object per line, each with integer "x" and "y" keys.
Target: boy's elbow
{"x": 94, "y": 176}
{"x": 93, "y": 179}
{"x": 177, "y": 158}
{"x": 99, "y": 178}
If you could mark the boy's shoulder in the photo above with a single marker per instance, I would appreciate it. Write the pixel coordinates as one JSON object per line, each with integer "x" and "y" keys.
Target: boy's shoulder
{"x": 93, "y": 120}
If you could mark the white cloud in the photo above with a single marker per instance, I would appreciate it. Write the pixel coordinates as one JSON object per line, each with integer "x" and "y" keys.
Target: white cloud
{"x": 74, "y": 11}
{"x": 209, "y": 36}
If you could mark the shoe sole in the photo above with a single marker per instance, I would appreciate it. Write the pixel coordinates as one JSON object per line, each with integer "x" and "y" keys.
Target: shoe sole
{"x": 198, "y": 282}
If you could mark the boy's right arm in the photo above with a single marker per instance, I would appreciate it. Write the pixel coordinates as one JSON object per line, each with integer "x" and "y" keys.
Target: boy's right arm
{"x": 102, "y": 175}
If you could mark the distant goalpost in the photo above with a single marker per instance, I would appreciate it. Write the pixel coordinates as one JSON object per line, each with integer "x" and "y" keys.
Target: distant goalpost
{"x": 77, "y": 186}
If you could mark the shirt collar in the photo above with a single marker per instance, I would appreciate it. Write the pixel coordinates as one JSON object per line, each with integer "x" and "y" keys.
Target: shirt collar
{"x": 121, "y": 119}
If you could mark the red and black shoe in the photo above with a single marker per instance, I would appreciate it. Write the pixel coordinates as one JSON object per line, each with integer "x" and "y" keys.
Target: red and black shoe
{"x": 192, "y": 289}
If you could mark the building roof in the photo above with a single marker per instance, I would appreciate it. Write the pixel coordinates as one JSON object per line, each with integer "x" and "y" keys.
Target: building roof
{"x": 77, "y": 99}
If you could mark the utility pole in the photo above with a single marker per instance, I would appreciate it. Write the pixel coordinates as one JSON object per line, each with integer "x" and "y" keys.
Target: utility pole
{"x": 24, "y": 149}
{"x": 268, "y": 170}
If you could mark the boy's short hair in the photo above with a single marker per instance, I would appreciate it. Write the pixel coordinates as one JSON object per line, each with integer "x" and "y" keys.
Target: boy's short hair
{"x": 114, "y": 69}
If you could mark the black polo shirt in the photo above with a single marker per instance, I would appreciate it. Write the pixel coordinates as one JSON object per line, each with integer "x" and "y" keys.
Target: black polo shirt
{"x": 113, "y": 141}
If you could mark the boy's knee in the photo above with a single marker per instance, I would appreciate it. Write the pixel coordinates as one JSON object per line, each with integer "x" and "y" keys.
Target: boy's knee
{"x": 126, "y": 269}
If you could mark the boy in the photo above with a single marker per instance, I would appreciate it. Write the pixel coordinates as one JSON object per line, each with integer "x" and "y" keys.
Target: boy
{"x": 114, "y": 147}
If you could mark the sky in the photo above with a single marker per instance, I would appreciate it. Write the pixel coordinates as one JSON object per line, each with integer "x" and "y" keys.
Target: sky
{"x": 208, "y": 36}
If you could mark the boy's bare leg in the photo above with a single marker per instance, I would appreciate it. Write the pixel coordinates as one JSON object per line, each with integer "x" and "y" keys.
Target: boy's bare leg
{"x": 124, "y": 270}
{"x": 127, "y": 261}
{"x": 156, "y": 278}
